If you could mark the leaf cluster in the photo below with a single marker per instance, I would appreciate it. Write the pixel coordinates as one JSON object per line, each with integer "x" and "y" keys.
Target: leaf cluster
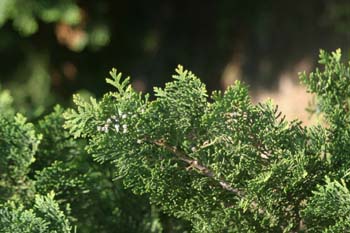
{"x": 221, "y": 162}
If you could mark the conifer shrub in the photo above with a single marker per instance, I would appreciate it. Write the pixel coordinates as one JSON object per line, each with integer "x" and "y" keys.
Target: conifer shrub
{"x": 43, "y": 217}
{"x": 99, "y": 203}
{"x": 181, "y": 161}
{"x": 44, "y": 172}
{"x": 221, "y": 162}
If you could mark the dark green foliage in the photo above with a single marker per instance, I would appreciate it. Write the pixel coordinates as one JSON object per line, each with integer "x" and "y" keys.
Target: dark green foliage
{"x": 100, "y": 203}
{"x": 216, "y": 162}
{"x": 222, "y": 163}
{"x": 333, "y": 91}
{"x": 18, "y": 145}
{"x": 44, "y": 217}
{"x": 329, "y": 209}
{"x": 328, "y": 205}
{"x": 210, "y": 163}
{"x": 42, "y": 159}
{"x": 20, "y": 210}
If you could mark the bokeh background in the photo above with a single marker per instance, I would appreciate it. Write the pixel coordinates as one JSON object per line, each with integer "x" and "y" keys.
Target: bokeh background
{"x": 50, "y": 49}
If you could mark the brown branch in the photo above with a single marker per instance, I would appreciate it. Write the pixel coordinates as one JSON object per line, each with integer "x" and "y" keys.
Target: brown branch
{"x": 193, "y": 163}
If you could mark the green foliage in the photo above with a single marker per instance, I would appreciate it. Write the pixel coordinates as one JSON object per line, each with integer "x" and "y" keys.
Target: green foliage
{"x": 183, "y": 161}
{"x": 221, "y": 162}
{"x": 42, "y": 158}
{"x": 43, "y": 216}
{"x": 18, "y": 145}
{"x": 332, "y": 87}
{"x": 19, "y": 212}
{"x": 100, "y": 204}
{"x": 328, "y": 210}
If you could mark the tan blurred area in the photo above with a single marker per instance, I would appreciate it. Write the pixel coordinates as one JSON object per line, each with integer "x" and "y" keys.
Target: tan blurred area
{"x": 290, "y": 96}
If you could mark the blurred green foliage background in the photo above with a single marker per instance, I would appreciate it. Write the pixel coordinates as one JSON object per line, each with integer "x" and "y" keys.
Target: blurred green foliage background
{"x": 52, "y": 48}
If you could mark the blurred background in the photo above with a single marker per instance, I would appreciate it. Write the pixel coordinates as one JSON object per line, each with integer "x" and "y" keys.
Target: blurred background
{"x": 50, "y": 49}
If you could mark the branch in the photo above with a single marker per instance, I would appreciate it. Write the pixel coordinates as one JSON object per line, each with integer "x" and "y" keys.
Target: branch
{"x": 193, "y": 163}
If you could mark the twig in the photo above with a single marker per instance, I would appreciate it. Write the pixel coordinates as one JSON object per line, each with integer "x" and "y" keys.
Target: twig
{"x": 193, "y": 163}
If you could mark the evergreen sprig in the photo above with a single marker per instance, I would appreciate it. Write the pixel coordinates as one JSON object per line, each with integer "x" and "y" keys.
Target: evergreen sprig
{"x": 44, "y": 217}
{"x": 221, "y": 162}
{"x": 218, "y": 161}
